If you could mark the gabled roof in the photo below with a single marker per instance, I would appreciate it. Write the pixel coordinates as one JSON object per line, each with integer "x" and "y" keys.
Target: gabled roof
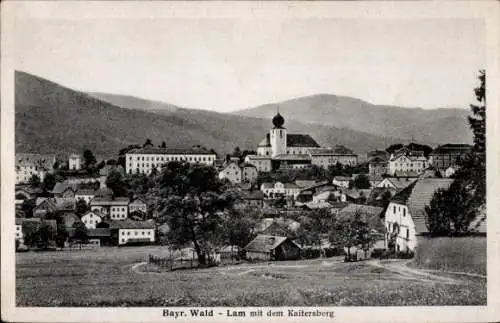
{"x": 86, "y": 192}
{"x": 61, "y": 187}
{"x": 258, "y": 157}
{"x": 342, "y": 151}
{"x": 243, "y": 165}
{"x": 170, "y": 151}
{"x": 130, "y": 224}
{"x": 64, "y": 203}
{"x": 451, "y": 149}
{"x": 304, "y": 183}
{"x": 107, "y": 201}
{"x": 400, "y": 183}
{"x": 377, "y": 160}
{"x": 301, "y": 157}
{"x": 419, "y": 195}
{"x": 341, "y": 178}
{"x": 300, "y": 140}
{"x": 229, "y": 165}
{"x": 266, "y": 142}
{"x": 99, "y": 233}
{"x": 266, "y": 243}
{"x": 320, "y": 205}
{"x": 405, "y": 174}
{"x": 137, "y": 201}
{"x": 255, "y": 195}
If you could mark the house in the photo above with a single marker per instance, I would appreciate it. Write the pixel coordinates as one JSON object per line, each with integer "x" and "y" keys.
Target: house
{"x": 85, "y": 194}
{"x": 65, "y": 190}
{"x": 116, "y": 208}
{"x": 377, "y": 166}
{"x": 91, "y": 219}
{"x": 252, "y": 199}
{"x": 64, "y": 205}
{"x": 137, "y": 205}
{"x": 262, "y": 163}
{"x": 396, "y": 183}
{"x": 317, "y": 205}
{"x": 406, "y": 160}
{"x": 28, "y": 165}
{"x": 278, "y": 189}
{"x": 447, "y": 155}
{"x": 405, "y": 216}
{"x": 249, "y": 173}
{"x": 326, "y": 157}
{"x": 268, "y": 247}
{"x": 44, "y": 206}
{"x": 25, "y": 192}
{"x": 304, "y": 183}
{"x": 74, "y": 162}
{"x": 130, "y": 232}
{"x": 342, "y": 181}
{"x": 100, "y": 235}
{"x": 375, "y": 180}
{"x": 231, "y": 172}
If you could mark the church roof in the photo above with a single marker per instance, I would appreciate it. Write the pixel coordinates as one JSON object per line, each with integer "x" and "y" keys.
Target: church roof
{"x": 293, "y": 140}
{"x": 300, "y": 140}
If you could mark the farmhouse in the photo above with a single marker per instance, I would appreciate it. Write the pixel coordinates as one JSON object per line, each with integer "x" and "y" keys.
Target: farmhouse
{"x": 65, "y": 190}
{"x": 405, "y": 216}
{"x": 129, "y": 231}
{"x": 267, "y": 247}
{"x": 231, "y": 172}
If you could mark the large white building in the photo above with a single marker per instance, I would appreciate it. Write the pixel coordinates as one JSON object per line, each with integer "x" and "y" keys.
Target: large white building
{"x": 143, "y": 160}
{"x": 278, "y": 189}
{"x": 91, "y": 219}
{"x": 406, "y": 160}
{"x": 280, "y": 149}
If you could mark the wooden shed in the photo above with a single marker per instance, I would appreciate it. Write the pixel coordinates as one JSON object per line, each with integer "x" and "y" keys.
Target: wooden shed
{"x": 267, "y": 247}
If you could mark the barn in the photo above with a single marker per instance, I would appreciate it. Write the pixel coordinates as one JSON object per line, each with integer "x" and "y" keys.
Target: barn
{"x": 267, "y": 247}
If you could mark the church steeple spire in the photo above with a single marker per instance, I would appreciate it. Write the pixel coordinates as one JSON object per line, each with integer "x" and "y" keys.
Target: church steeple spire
{"x": 278, "y": 120}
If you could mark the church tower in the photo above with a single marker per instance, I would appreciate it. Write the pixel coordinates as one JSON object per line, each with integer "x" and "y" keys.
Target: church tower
{"x": 278, "y": 136}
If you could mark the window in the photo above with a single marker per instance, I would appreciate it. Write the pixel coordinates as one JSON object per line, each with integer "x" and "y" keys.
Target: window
{"x": 142, "y": 232}
{"x": 404, "y": 211}
{"x": 135, "y": 233}
{"x": 394, "y": 209}
{"x": 407, "y": 233}
{"x": 123, "y": 240}
{"x": 128, "y": 233}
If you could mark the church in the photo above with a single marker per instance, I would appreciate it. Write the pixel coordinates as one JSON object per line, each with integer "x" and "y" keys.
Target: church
{"x": 280, "y": 149}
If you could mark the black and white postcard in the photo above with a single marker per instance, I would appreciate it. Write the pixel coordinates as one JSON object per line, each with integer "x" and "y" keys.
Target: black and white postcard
{"x": 250, "y": 161}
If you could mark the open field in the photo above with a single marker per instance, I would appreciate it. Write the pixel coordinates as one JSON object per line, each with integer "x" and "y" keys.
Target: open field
{"x": 119, "y": 277}
{"x": 461, "y": 254}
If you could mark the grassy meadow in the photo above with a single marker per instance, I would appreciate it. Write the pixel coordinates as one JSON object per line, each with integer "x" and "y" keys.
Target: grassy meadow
{"x": 119, "y": 277}
{"x": 459, "y": 254}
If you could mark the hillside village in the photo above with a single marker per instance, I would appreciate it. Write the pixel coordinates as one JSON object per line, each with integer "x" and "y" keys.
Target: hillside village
{"x": 291, "y": 185}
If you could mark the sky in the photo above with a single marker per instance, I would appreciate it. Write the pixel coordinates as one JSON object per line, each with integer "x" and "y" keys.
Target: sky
{"x": 227, "y": 64}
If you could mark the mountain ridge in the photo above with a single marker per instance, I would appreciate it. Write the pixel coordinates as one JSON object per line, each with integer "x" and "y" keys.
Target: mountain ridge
{"x": 53, "y": 118}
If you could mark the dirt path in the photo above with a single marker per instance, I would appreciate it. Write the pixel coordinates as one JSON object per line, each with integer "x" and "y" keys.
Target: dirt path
{"x": 400, "y": 267}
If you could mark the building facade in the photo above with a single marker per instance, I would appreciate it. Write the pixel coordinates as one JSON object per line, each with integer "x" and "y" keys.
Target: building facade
{"x": 74, "y": 162}
{"x": 405, "y": 160}
{"x": 377, "y": 166}
{"x": 144, "y": 160}
{"x": 448, "y": 155}
{"x": 231, "y": 172}
{"x": 278, "y": 189}
{"x": 249, "y": 173}
{"x": 115, "y": 208}
{"x": 91, "y": 219}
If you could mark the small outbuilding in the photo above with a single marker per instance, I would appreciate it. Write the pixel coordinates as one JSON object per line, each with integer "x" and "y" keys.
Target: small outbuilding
{"x": 267, "y": 247}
